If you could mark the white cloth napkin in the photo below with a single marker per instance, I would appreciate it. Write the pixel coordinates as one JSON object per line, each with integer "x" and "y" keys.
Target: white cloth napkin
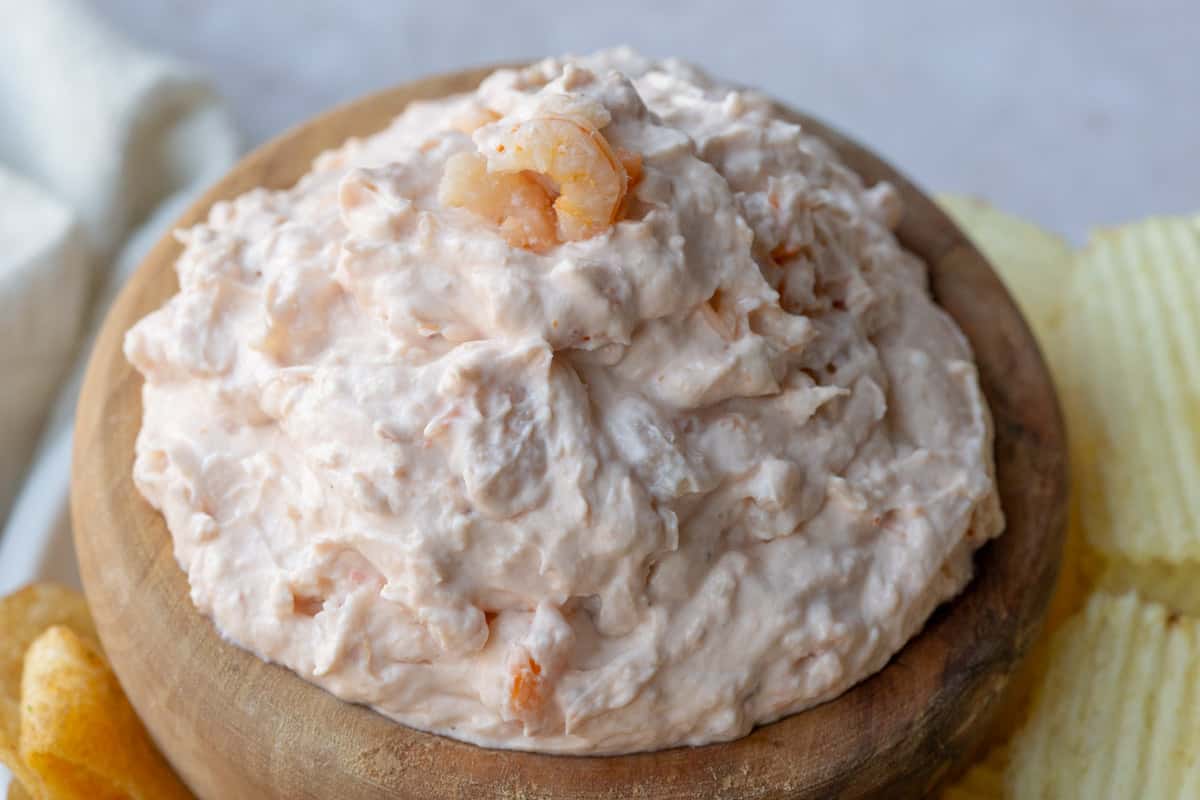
{"x": 101, "y": 144}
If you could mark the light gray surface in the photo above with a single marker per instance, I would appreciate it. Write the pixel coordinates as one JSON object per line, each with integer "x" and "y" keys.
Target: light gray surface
{"x": 1073, "y": 113}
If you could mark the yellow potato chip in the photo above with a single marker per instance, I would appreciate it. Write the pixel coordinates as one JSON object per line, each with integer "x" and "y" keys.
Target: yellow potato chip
{"x": 983, "y": 781}
{"x": 1176, "y": 586}
{"x": 1131, "y": 389}
{"x": 23, "y": 617}
{"x": 1116, "y": 713}
{"x": 16, "y": 791}
{"x": 1032, "y": 262}
{"x": 78, "y": 731}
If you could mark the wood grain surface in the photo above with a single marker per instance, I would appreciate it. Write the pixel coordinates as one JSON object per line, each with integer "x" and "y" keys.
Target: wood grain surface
{"x": 235, "y": 727}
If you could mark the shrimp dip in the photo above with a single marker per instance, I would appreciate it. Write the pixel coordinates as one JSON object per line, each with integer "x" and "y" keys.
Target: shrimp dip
{"x": 593, "y": 411}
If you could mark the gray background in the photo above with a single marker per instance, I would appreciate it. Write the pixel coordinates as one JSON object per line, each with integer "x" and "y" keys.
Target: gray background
{"x": 1072, "y": 113}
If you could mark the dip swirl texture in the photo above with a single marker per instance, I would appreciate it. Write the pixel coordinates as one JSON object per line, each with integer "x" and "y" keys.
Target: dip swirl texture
{"x": 594, "y": 493}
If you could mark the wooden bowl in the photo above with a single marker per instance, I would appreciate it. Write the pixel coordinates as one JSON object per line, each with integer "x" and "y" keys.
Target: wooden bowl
{"x": 235, "y": 727}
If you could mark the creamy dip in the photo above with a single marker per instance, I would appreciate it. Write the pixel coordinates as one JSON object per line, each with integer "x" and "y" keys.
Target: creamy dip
{"x": 647, "y": 482}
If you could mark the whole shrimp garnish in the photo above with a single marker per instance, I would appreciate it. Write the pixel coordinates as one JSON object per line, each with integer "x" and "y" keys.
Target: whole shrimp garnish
{"x": 582, "y": 178}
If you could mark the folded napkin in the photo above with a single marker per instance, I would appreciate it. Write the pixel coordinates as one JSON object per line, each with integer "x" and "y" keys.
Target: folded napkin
{"x": 101, "y": 145}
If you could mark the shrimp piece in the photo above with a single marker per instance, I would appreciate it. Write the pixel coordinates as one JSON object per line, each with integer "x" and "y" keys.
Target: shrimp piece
{"x": 513, "y": 201}
{"x": 525, "y": 689}
{"x": 575, "y": 159}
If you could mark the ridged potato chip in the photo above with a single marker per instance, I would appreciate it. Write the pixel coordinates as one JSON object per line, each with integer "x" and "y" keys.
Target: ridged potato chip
{"x": 79, "y": 733}
{"x": 1176, "y": 586}
{"x": 1115, "y": 715}
{"x": 1132, "y": 389}
{"x": 1116, "y": 708}
{"x": 1033, "y": 263}
{"x": 24, "y": 615}
{"x": 16, "y": 791}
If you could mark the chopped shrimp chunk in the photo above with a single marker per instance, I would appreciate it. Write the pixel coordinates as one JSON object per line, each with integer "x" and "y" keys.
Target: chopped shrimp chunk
{"x": 525, "y": 694}
{"x": 514, "y": 202}
{"x": 544, "y": 175}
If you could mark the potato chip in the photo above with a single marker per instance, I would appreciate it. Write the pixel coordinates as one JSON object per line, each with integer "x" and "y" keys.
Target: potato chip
{"x": 1032, "y": 262}
{"x": 78, "y": 731}
{"x": 23, "y": 617}
{"x": 1116, "y": 713}
{"x": 16, "y": 791}
{"x": 1132, "y": 389}
{"x": 1176, "y": 586}
{"x": 983, "y": 781}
